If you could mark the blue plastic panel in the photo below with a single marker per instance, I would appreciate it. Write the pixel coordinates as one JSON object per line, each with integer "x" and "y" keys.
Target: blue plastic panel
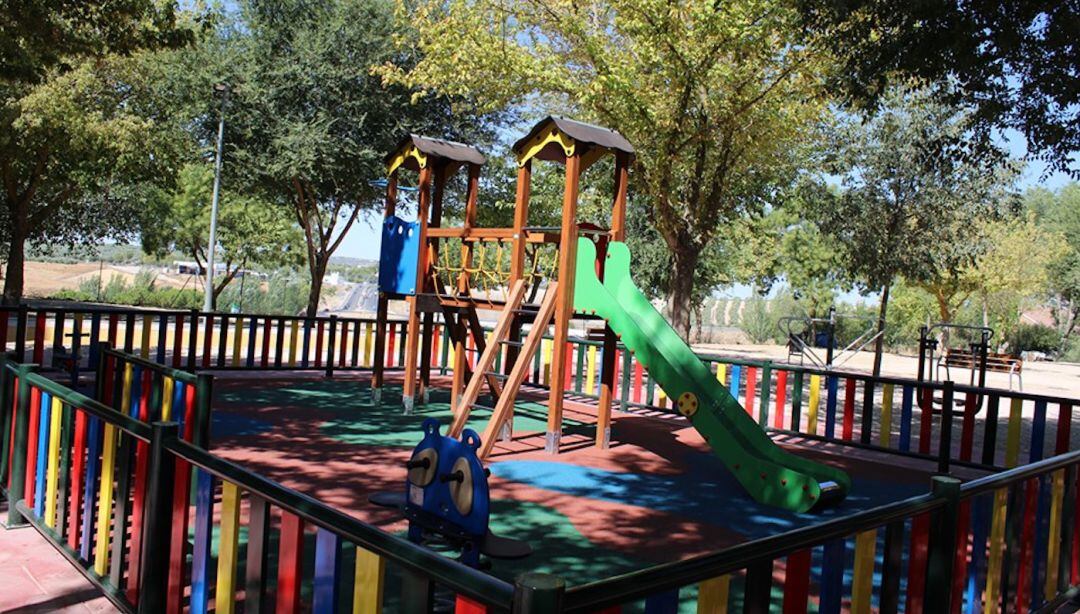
{"x": 398, "y": 257}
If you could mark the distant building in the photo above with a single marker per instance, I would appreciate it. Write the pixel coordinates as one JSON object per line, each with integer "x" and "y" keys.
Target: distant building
{"x": 186, "y": 267}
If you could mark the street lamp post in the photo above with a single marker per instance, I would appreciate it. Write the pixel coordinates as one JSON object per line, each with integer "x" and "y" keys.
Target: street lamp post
{"x": 208, "y": 299}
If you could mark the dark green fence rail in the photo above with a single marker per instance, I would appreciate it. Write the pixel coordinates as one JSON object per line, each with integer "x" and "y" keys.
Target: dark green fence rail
{"x": 108, "y": 489}
{"x": 114, "y": 493}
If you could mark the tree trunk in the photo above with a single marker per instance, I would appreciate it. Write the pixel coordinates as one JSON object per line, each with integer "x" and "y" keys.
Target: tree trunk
{"x": 317, "y": 268}
{"x": 682, "y": 289}
{"x": 879, "y": 344}
{"x": 16, "y": 262}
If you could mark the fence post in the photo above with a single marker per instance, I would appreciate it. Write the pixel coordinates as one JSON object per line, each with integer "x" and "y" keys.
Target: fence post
{"x": 765, "y": 393}
{"x": 627, "y": 374}
{"x": 193, "y": 338}
{"x": 20, "y": 333}
{"x": 942, "y": 547}
{"x": 945, "y": 434}
{"x": 7, "y": 414}
{"x": 99, "y": 371}
{"x": 17, "y": 486}
{"x": 331, "y": 342}
{"x": 417, "y": 593}
{"x": 536, "y": 593}
{"x": 154, "y": 573}
{"x": 204, "y": 395}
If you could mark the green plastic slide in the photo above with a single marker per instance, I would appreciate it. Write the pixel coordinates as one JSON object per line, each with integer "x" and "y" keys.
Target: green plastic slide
{"x": 770, "y": 474}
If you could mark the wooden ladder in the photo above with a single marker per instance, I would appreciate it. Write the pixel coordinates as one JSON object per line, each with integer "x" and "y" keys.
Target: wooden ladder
{"x": 482, "y": 371}
{"x": 504, "y": 409}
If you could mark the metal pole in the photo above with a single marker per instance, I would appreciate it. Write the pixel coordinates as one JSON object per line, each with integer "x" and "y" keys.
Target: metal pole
{"x": 208, "y": 299}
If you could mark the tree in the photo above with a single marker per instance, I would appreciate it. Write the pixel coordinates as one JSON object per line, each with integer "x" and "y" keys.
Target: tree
{"x": 72, "y": 131}
{"x": 308, "y": 123}
{"x": 251, "y": 232}
{"x": 1013, "y": 264}
{"x": 1059, "y": 212}
{"x": 715, "y": 97}
{"x": 790, "y": 246}
{"x": 39, "y": 38}
{"x": 1014, "y": 63}
{"x": 914, "y": 192}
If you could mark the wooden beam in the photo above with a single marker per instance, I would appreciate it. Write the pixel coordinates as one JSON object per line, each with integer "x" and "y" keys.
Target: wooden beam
{"x": 428, "y": 326}
{"x": 487, "y": 360}
{"x": 608, "y": 365}
{"x": 412, "y": 336}
{"x": 504, "y": 409}
{"x": 481, "y": 344}
{"x": 564, "y": 309}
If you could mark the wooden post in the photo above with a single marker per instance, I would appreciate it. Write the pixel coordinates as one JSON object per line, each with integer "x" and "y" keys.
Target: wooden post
{"x": 379, "y": 357}
{"x": 433, "y": 256}
{"x": 608, "y": 367}
{"x": 412, "y": 339}
{"x": 564, "y": 307}
{"x": 459, "y": 330}
{"x": 517, "y": 254}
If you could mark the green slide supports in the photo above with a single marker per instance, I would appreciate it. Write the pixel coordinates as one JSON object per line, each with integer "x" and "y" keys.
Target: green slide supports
{"x": 770, "y": 474}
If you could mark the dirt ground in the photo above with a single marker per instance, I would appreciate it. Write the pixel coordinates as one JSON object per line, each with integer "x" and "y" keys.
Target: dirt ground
{"x": 47, "y": 278}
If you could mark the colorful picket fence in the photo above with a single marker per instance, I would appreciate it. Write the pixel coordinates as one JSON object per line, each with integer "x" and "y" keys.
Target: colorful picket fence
{"x": 993, "y": 427}
{"x": 68, "y": 338}
{"x": 1007, "y": 542}
{"x": 109, "y": 489}
{"x": 120, "y": 487}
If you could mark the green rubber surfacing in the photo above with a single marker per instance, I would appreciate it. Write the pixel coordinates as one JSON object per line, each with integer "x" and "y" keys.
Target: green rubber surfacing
{"x": 768, "y": 473}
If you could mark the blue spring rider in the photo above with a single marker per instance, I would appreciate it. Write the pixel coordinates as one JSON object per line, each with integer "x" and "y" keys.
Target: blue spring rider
{"x": 446, "y": 498}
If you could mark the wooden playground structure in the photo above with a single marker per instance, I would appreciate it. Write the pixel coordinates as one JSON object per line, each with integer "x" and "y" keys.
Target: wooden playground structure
{"x": 456, "y": 284}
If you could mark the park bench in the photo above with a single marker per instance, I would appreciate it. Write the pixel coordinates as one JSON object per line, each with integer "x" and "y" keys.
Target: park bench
{"x": 995, "y": 361}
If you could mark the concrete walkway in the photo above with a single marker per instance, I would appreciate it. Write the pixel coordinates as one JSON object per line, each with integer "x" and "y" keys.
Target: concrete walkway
{"x": 34, "y": 577}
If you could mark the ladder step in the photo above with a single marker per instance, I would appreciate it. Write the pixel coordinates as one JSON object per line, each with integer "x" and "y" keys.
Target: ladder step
{"x": 496, "y": 375}
{"x": 513, "y": 343}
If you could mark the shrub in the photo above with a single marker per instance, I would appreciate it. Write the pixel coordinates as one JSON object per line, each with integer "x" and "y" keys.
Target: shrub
{"x": 756, "y": 321}
{"x": 1034, "y": 338}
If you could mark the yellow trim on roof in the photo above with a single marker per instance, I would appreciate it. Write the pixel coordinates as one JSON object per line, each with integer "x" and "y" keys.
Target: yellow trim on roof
{"x": 541, "y": 140}
{"x": 409, "y": 151}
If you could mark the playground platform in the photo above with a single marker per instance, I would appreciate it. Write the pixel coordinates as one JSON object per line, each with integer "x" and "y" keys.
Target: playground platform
{"x": 658, "y": 494}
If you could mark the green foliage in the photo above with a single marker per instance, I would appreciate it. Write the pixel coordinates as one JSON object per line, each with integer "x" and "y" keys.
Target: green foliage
{"x": 356, "y": 273}
{"x": 789, "y": 244}
{"x": 1008, "y": 60}
{"x": 914, "y": 192}
{"x": 251, "y": 232}
{"x": 1034, "y": 338}
{"x": 75, "y": 135}
{"x": 40, "y": 37}
{"x": 307, "y": 123}
{"x": 285, "y": 292}
{"x": 910, "y": 308}
{"x": 143, "y": 291}
{"x": 756, "y": 320}
{"x": 717, "y": 98}
{"x": 1059, "y": 212}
